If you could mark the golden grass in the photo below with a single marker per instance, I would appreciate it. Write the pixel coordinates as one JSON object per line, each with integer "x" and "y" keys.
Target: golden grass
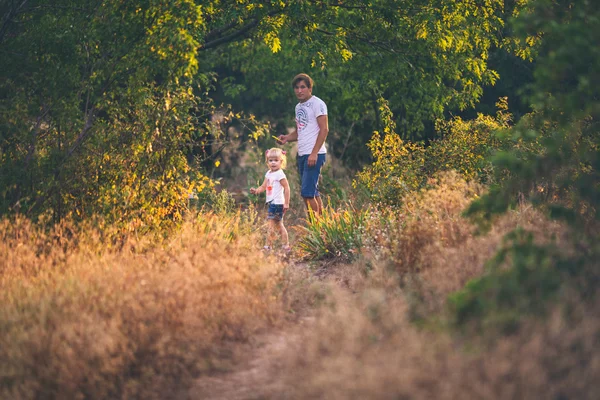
{"x": 435, "y": 250}
{"x": 89, "y": 313}
{"x": 82, "y": 318}
{"x": 364, "y": 347}
{"x": 431, "y": 217}
{"x": 364, "y": 343}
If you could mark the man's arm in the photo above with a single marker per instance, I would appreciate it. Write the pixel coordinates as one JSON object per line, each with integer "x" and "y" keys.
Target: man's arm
{"x": 290, "y": 137}
{"x": 323, "y": 132}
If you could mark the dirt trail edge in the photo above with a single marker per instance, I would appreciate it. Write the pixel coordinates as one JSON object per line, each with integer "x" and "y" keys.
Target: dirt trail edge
{"x": 254, "y": 378}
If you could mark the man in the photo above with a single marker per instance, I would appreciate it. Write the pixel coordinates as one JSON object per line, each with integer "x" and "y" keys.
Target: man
{"x": 311, "y": 131}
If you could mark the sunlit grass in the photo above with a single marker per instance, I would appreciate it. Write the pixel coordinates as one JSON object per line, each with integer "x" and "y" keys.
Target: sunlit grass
{"x": 365, "y": 346}
{"x": 83, "y": 318}
{"x": 384, "y": 328}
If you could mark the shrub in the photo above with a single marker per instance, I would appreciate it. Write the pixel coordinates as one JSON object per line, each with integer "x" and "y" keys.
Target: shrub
{"x": 219, "y": 202}
{"x": 466, "y": 146}
{"x": 555, "y": 166}
{"x": 523, "y": 278}
{"x": 429, "y": 217}
{"x": 364, "y": 346}
{"x": 396, "y": 170}
{"x": 400, "y": 167}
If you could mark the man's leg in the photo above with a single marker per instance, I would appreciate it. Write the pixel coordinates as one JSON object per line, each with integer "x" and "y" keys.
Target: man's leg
{"x": 319, "y": 201}
{"x": 313, "y": 205}
{"x": 309, "y": 177}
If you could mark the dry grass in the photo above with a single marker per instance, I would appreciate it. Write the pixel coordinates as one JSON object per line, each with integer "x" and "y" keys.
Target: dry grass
{"x": 87, "y": 316}
{"x": 429, "y": 218}
{"x": 435, "y": 250}
{"x": 81, "y": 318}
{"x": 363, "y": 347}
{"x": 446, "y": 269}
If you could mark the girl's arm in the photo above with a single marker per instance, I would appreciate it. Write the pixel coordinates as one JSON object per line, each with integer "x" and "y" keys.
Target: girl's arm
{"x": 286, "y": 194}
{"x": 259, "y": 189}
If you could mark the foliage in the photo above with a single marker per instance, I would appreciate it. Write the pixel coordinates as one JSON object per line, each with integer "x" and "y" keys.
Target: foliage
{"x": 563, "y": 177}
{"x": 401, "y": 167}
{"x": 426, "y": 58}
{"x": 219, "y": 202}
{"x": 556, "y": 168}
{"x": 103, "y": 109}
{"x": 115, "y": 108}
{"x": 396, "y": 167}
{"x": 500, "y": 298}
{"x": 95, "y": 109}
{"x": 466, "y": 146}
{"x": 333, "y": 234}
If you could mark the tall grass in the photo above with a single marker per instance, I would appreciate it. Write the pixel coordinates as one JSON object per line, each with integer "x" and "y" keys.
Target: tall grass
{"x": 82, "y": 318}
{"x": 334, "y": 233}
{"x": 364, "y": 343}
{"x": 365, "y": 347}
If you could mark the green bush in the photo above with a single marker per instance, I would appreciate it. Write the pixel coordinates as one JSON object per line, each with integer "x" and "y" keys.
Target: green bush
{"x": 554, "y": 165}
{"x": 219, "y": 202}
{"x": 401, "y": 167}
{"x": 522, "y": 278}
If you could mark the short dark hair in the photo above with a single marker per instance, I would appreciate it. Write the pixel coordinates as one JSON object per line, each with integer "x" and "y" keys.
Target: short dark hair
{"x": 302, "y": 77}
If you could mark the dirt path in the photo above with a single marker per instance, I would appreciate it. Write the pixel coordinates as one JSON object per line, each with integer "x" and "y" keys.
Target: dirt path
{"x": 255, "y": 377}
{"x": 252, "y": 379}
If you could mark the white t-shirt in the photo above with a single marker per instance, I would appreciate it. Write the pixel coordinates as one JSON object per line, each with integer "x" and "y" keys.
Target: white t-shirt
{"x": 274, "y": 188}
{"x": 308, "y": 127}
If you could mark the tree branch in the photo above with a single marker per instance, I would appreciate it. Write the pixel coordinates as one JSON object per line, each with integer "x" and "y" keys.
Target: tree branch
{"x": 231, "y": 37}
{"x": 8, "y": 17}
{"x": 239, "y": 33}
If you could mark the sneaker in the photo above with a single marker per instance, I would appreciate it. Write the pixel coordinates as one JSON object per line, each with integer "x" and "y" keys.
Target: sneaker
{"x": 287, "y": 248}
{"x": 267, "y": 248}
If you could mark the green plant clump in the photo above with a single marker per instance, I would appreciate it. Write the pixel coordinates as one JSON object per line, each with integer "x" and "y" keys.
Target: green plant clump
{"x": 334, "y": 233}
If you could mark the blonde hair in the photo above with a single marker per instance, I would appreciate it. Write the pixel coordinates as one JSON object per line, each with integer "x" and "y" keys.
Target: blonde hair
{"x": 276, "y": 152}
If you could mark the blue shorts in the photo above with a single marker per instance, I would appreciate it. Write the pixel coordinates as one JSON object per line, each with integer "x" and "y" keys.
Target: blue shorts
{"x": 309, "y": 176}
{"x": 275, "y": 212}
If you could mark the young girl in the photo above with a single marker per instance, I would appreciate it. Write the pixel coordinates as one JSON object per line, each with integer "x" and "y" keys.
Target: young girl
{"x": 278, "y": 196}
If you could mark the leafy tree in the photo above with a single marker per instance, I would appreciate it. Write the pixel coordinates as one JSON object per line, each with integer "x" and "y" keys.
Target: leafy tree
{"x": 424, "y": 57}
{"x": 94, "y": 107}
{"x": 563, "y": 177}
{"x": 556, "y": 167}
{"x": 104, "y": 105}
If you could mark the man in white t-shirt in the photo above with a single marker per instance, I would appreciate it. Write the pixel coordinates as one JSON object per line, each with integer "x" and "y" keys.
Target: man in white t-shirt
{"x": 311, "y": 131}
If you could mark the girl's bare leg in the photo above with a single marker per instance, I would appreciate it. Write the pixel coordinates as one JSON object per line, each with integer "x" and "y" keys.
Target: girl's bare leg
{"x": 274, "y": 231}
{"x": 284, "y": 234}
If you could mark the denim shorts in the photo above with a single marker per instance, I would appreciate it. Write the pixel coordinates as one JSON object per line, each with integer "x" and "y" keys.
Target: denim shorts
{"x": 309, "y": 176}
{"x": 275, "y": 212}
